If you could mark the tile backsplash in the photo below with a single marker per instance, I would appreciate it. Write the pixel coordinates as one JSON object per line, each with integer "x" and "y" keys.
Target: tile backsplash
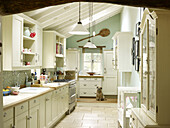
{"x": 9, "y": 78}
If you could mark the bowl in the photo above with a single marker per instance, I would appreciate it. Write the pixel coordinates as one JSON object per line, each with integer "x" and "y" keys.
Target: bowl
{"x": 91, "y": 73}
{"x": 6, "y": 92}
{"x": 15, "y": 90}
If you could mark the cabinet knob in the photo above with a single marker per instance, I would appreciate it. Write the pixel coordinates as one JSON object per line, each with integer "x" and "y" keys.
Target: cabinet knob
{"x": 22, "y": 107}
{"x": 84, "y": 84}
{"x": 133, "y": 119}
{"x": 13, "y": 126}
{"x": 95, "y": 85}
{"x": 84, "y": 92}
{"x": 5, "y": 114}
{"x": 47, "y": 99}
{"x": 35, "y": 101}
{"x": 29, "y": 118}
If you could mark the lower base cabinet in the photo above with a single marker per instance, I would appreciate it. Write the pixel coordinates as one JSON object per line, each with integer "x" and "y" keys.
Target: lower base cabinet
{"x": 21, "y": 120}
{"x": 8, "y": 123}
{"x": 40, "y": 112}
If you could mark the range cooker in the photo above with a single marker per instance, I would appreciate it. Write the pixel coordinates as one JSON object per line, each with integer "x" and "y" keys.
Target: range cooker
{"x": 72, "y": 93}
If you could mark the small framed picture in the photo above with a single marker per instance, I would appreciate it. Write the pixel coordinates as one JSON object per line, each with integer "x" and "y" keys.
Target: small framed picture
{"x": 137, "y": 30}
{"x": 136, "y": 48}
{"x": 133, "y": 51}
{"x": 137, "y": 63}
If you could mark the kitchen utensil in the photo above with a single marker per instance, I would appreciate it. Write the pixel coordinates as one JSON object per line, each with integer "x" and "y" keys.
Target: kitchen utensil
{"x": 26, "y": 31}
{"x": 104, "y": 32}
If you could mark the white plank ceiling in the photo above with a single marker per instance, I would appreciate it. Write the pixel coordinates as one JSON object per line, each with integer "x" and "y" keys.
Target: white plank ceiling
{"x": 63, "y": 18}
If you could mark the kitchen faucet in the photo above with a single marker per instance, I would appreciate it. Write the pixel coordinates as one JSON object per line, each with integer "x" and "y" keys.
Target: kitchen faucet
{"x": 17, "y": 83}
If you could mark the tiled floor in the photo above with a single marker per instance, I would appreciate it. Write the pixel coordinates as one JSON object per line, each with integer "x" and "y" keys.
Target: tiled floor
{"x": 91, "y": 115}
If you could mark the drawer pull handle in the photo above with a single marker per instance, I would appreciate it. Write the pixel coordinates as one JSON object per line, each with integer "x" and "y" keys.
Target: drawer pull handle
{"x": 95, "y": 85}
{"x": 56, "y": 92}
{"x": 47, "y": 99}
{"x": 84, "y": 84}
{"x": 29, "y": 118}
{"x": 35, "y": 101}
{"x": 5, "y": 114}
{"x": 84, "y": 92}
{"x": 22, "y": 107}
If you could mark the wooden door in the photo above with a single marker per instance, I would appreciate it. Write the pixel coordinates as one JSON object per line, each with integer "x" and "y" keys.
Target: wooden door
{"x": 110, "y": 75}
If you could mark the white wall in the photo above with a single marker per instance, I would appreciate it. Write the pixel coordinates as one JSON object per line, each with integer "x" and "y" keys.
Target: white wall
{"x": 129, "y": 17}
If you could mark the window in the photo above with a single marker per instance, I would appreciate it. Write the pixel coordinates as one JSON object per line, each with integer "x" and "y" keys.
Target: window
{"x": 93, "y": 62}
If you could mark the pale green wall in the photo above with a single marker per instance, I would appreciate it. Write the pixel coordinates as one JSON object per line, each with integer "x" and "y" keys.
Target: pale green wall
{"x": 112, "y": 23}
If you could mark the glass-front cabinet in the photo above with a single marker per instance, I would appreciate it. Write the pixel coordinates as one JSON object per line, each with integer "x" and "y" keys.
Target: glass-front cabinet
{"x": 148, "y": 42}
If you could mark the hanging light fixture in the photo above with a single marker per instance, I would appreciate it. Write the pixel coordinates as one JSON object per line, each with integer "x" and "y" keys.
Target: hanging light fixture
{"x": 79, "y": 29}
{"x": 89, "y": 44}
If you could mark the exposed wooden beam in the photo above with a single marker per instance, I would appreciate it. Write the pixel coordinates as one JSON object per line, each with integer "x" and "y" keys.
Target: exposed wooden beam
{"x": 18, "y": 6}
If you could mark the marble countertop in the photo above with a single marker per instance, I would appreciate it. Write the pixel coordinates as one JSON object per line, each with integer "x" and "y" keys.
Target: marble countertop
{"x": 12, "y": 100}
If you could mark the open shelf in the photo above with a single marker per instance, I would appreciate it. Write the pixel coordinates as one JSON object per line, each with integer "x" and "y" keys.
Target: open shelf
{"x": 28, "y": 53}
{"x": 28, "y": 38}
{"x": 59, "y": 55}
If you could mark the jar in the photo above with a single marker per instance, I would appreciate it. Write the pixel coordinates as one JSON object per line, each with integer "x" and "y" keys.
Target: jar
{"x": 26, "y": 31}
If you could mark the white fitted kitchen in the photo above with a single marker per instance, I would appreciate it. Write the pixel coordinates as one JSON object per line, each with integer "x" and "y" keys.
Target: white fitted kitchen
{"x": 85, "y": 65}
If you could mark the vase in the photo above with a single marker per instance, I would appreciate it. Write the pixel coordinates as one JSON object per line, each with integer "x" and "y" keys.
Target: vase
{"x": 26, "y": 31}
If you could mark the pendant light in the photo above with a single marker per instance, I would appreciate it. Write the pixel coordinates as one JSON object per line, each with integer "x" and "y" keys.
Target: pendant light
{"x": 79, "y": 29}
{"x": 89, "y": 44}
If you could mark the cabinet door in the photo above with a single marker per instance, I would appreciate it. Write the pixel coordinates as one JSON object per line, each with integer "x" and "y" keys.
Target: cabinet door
{"x": 21, "y": 120}
{"x": 8, "y": 124}
{"x": 54, "y": 108}
{"x": 17, "y": 41}
{"x": 144, "y": 81}
{"x": 39, "y": 47}
{"x": 42, "y": 111}
{"x": 72, "y": 60}
{"x": 34, "y": 117}
{"x": 48, "y": 110}
{"x": 110, "y": 75}
{"x": 152, "y": 66}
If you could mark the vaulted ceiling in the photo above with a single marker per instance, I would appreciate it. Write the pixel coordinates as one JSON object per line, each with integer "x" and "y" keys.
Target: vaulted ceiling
{"x": 63, "y": 18}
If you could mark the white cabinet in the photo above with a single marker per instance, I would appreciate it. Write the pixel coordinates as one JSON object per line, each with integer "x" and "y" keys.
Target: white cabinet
{"x": 39, "y": 47}
{"x": 122, "y": 44}
{"x": 53, "y": 48}
{"x": 8, "y": 118}
{"x": 110, "y": 75}
{"x": 21, "y": 120}
{"x": 42, "y": 111}
{"x": 88, "y": 86}
{"x": 20, "y": 51}
{"x": 12, "y": 32}
{"x": 48, "y": 111}
{"x": 55, "y": 104}
{"x": 73, "y": 60}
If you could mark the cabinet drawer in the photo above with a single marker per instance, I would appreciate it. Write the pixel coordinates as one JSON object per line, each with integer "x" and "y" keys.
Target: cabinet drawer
{"x": 96, "y": 79}
{"x": 34, "y": 102}
{"x": 134, "y": 120}
{"x": 84, "y": 79}
{"x": 19, "y": 109}
{"x": 88, "y": 92}
{"x": 92, "y": 85}
{"x": 7, "y": 114}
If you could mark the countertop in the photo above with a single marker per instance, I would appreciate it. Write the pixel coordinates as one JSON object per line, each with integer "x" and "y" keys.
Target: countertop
{"x": 143, "y": 118}
{"x": 88, "y": 76}
{"x": 12, "y": 100}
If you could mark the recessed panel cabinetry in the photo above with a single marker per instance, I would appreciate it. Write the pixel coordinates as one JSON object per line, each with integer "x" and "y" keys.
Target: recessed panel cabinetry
{"x": 122, "y": 42}
{"x": 155, "y": 69}
{"x": 54, "y": 45}
{"x": 22, "y": 43}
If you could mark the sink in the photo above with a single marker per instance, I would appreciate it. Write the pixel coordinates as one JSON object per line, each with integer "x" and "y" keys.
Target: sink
{"x": 32, "y": 90}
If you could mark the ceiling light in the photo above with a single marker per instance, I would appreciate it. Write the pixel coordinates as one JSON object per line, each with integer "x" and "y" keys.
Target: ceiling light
{"x": 79, "y": 29}
{"x": 88, "y": 44}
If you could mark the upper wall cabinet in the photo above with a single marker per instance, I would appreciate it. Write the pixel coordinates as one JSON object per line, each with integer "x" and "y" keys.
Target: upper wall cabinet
{"x": 20, "y": 50}
{"x": 122, "y": 44}
{"x": 54, "y": 45}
